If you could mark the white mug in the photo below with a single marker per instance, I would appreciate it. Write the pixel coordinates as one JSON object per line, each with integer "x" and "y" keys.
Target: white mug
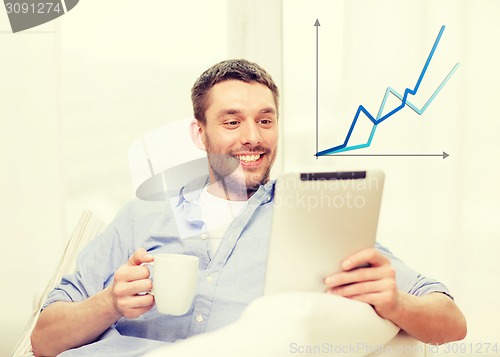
{"x": 174, "y": 282}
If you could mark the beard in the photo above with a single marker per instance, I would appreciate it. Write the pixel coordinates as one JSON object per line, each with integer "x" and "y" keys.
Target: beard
{"x": 230, "y": 174}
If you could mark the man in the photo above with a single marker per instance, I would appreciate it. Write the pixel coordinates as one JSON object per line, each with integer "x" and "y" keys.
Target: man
{"x": 102, "y": 307}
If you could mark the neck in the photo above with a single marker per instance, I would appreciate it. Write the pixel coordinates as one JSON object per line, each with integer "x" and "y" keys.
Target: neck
{"x": 231, "y": 187}
{"x": 229, "y": 191}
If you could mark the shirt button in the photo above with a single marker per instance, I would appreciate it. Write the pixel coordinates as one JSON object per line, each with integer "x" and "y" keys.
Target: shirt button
{"x": 210, "y": 278}
{"x": 203, "y": 236}
{"x": 199, "y": 318}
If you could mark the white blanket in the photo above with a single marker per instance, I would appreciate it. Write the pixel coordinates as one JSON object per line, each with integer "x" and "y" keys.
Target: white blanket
{"x": 292, "y": 324}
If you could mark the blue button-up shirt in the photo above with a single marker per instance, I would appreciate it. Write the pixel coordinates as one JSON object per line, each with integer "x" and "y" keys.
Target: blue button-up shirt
{"x": 228, "y": 281}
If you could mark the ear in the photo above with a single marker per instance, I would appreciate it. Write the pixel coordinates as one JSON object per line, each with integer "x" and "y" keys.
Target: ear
{"x": 196, "y": 129}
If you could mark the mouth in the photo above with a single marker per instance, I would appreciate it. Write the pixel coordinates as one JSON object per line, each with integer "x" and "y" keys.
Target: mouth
{"x": 251, "y": 159}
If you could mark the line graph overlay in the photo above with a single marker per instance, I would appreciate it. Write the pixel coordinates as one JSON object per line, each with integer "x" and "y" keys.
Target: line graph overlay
{"x": 404, "y": 102}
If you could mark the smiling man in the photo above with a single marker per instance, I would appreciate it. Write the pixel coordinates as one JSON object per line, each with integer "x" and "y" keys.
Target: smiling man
{"x": 238, "y": 128}
{"x": 224, "y": 220}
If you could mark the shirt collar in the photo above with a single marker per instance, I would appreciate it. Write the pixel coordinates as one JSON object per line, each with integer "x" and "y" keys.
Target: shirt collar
{"x": 188, "y": 201}
{"x": 189, "y": 197}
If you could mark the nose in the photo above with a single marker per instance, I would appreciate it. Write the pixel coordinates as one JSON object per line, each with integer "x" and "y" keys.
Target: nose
{"x": 251, "y": 135}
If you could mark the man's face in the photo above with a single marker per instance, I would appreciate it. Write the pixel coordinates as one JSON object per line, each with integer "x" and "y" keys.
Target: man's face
{"x": 241, "y": 133}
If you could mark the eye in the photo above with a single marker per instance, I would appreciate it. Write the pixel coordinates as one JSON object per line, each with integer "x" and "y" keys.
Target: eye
{"x": 232, "y": 123}
{"x": 266, "y": 122}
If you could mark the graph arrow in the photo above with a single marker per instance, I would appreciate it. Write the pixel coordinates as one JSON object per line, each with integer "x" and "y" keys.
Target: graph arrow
{"x": 404, "y": 102}
{"x": 317, "y": 25}
{"x": 444, "y": 155}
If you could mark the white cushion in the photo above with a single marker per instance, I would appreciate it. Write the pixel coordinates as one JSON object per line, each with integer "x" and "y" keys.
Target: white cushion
{"x": 293, "y": 324}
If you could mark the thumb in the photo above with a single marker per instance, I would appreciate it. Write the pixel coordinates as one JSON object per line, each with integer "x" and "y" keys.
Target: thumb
{"x": 139, "y": 257}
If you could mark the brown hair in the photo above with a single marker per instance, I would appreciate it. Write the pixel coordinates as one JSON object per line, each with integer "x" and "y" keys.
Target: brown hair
{"x": 238, "y": 69}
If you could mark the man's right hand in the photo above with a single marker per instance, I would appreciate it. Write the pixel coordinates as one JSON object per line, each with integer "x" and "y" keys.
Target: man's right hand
{"x": 130, "y": 280}
{"x": 64, "y": 325}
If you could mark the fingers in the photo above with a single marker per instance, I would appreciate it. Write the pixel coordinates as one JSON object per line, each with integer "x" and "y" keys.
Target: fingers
{"x": 133, "y": 307}
{"x": 369, "y": 256}
{"x": 381, "y": 293}
{"x": 364, "y": 287}
{"x": 356, "y": 264}
{"x": 372, "y": 273}
{"x": 130, "y": 280}
{"x": 127, "y": 300}
{"x": 374, "y": 284}
{"x": 128, "y": 273}
{"x": 139, "y": 257}
{"x": 125, "y": 286}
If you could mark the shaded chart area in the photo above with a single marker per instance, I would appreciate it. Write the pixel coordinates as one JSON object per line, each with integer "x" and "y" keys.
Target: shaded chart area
{"x": 379, "y": 118}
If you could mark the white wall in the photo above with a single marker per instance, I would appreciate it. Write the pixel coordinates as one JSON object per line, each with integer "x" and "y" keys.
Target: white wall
{"x": 128, "y": 73}
{"x": 75, "y": 94}
{"x": 441, "y": 216}
{"x": 32, "y": 174}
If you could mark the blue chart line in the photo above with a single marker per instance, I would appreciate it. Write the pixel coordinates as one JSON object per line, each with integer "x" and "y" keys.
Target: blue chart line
{"x": 404, "y": 101}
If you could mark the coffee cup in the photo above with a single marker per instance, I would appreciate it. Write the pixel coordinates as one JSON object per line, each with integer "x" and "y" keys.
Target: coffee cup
{"x": 174, "y": 282}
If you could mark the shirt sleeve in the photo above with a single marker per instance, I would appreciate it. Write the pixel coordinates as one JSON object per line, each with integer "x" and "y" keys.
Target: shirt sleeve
{"x": 96, "y": 263}
{"x": 409, "y": 280}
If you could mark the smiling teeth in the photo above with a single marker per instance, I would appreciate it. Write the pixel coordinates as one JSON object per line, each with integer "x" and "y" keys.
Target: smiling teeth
{"x": 249, "y": 158}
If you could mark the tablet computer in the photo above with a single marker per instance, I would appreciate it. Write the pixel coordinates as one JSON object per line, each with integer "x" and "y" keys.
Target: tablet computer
{"x": 319, "y": 219}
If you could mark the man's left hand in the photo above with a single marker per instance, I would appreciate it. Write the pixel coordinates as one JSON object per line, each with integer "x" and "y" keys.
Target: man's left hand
{"x": 369, "y": 277}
